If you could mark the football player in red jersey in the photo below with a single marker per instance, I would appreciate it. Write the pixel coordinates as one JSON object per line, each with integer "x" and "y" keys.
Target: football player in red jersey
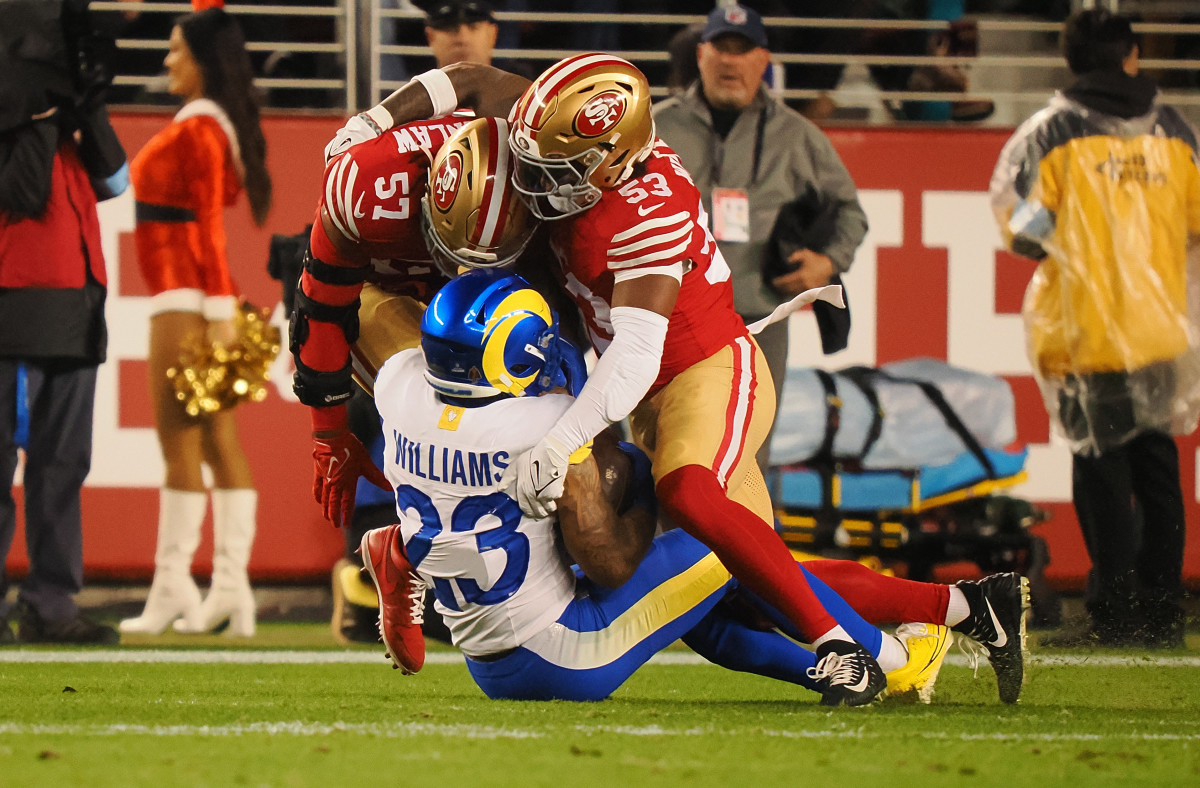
{"x": 368, "y": 272}
{"x": 635, "y": 254}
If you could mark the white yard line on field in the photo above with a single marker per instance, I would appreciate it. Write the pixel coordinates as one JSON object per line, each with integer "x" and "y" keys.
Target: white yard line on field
{"x": 459, "y": 732}
{"x": 375, "y": 657}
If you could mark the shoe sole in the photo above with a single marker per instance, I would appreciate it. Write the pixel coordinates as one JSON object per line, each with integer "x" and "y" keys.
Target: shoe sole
{"x": 1023, "y": 640}
{"x": 369, "y": 565}
{"x": 864, "y": 699}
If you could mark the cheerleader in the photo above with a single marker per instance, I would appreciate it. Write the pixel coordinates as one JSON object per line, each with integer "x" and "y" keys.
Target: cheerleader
{"x": 183, "y": 180}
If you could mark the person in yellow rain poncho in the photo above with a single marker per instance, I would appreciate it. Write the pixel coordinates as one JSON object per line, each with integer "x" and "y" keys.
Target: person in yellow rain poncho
{"x": 1102, "y": 187}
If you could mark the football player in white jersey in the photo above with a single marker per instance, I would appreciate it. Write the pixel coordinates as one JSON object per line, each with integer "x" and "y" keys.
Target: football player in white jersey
{"x": 480, "y": 390}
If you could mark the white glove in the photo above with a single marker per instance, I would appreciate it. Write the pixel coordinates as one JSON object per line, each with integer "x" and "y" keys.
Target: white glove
{"x": 357, "y": 129}
{"x": 541, "y": 474}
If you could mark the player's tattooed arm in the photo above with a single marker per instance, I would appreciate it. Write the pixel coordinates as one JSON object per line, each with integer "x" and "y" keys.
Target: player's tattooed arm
{"x": 607, "y": 545}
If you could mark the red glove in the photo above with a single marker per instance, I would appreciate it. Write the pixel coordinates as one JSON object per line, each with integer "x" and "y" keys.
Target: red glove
{"x": 339, "y": 459}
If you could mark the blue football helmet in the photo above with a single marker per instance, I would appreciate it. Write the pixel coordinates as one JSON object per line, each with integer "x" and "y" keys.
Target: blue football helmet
{"x": 487, "y": 333}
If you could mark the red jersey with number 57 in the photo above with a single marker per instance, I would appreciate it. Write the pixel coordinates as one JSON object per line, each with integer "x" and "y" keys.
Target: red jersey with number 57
{"x": 373, "y": 194}
{"x": 654, "y": 219}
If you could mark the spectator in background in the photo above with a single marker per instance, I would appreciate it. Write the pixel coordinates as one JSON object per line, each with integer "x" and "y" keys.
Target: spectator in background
{"x": 750, "y": 155}
{"x": 461, "y": 31}
{"x": 392, "y": 68}
{"x": 465, "y": 31}
{"x": 958, "y": 39}
{"x": 184, "y": 178}
{"x": 134, "y": 23}
{"x": 58, "y": 154}
{"x": 1102, "y": 187}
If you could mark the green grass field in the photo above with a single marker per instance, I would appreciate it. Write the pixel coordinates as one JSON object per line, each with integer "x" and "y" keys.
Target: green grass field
{"x": 278, "y": 716}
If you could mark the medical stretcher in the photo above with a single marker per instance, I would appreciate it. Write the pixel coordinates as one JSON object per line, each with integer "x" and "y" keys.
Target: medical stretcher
{"x": 833, "y": 504}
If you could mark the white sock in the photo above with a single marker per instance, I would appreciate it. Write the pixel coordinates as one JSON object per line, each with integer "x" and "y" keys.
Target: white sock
{"x": 837, "y": 633}
{"x": 892, "y": 653}
{"x": 959, "y": 608}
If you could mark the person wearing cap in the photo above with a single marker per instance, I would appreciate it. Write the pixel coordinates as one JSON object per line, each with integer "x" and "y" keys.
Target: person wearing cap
{"x": 461, "y": 31}
{"x": 751, "y": 155}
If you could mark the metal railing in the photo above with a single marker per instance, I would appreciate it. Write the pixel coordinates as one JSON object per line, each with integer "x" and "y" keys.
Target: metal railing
{"x": 336, "y": 89}
{"x": 1017, "y": 65}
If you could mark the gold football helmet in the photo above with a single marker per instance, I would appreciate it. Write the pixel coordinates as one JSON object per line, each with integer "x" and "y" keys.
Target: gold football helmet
{"x": 577, "y": 131}
{"x": 470, "y": 215}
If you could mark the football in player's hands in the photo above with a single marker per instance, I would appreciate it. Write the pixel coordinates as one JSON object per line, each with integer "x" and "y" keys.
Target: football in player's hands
{"x": 614, "y": 466}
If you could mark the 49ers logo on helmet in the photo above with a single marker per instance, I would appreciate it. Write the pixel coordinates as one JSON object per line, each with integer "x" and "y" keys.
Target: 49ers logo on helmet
{"x": 600, "y": 114}
{"x": 446, "y": 181}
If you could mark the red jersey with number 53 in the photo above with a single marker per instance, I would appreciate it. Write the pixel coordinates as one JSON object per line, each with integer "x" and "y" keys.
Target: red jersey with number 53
{"x": 654, "y": 219}
{"x": 373, "y": 194}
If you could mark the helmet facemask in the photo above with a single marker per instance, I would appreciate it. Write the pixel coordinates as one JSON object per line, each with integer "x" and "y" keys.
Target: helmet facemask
{"x": 451, "y": 261}
{"x": 557, "y": 188}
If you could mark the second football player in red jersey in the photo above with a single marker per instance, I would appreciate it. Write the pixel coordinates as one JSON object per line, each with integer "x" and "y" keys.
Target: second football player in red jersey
{"x": 368, "y": 272}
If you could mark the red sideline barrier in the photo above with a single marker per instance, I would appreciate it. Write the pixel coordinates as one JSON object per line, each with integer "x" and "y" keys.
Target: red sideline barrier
{"x": 928, "y": 282}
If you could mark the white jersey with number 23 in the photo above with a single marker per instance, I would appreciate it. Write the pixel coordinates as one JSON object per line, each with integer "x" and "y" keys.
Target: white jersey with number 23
{"x": 499, "y": 576}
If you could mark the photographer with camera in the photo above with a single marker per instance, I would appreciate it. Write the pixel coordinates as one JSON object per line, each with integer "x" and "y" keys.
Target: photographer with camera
{"x": 58, "y": 156}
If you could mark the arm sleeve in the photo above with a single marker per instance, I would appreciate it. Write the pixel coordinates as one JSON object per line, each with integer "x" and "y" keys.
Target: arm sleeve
{"x": 620, "y": 379}
{"x": 325, "y": 346}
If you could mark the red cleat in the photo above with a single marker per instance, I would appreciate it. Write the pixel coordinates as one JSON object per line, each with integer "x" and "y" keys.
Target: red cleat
{"x": 401, "y": 597}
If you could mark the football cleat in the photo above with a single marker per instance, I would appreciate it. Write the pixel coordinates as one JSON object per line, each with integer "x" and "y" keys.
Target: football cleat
{"x": 927, "y": 646}
{"x": 998, "y": 605}
{"x": 846, "y": 673}
{"x": 401, "y": 597}
{"x": 354, "y": 604}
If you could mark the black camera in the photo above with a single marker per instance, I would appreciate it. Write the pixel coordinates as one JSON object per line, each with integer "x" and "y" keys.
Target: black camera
{"x": 51, "y": 56}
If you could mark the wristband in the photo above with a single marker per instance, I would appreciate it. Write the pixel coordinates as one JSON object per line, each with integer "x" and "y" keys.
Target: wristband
{"x": 380, "y": 117}
{"x": 331, "y": 419}
{"x": 440, "y": 90}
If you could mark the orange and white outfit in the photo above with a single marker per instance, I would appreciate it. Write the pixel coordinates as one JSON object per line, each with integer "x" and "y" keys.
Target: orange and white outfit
{"x": 183, "y": 180}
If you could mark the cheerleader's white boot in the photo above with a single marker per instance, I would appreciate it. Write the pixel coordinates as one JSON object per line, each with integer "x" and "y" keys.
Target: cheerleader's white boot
{"x": 230, "y": 596}
{"x": 173, "y": 593}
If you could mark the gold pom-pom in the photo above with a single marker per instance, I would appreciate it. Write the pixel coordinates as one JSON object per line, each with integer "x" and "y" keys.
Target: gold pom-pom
{"x": 211, "y": 377}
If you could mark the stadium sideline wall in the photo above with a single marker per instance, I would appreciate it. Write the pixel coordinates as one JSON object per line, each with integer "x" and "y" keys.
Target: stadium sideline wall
{"x": 929, "y": 281}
